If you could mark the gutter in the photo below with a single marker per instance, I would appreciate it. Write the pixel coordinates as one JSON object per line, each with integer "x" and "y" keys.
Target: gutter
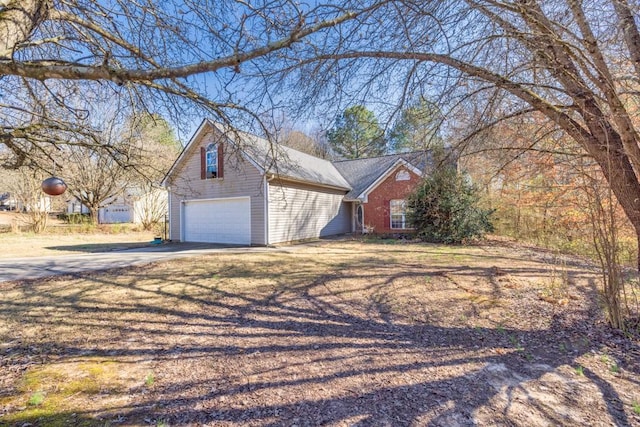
{"x": 273, "y": 177}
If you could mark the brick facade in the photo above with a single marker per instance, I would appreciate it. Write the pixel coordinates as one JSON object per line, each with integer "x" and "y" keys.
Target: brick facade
{"x": 376, "y": 210}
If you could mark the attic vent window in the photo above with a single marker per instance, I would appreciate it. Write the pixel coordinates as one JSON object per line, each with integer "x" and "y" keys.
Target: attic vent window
{"x": 403, "y": 175}
{"x": 212, "y": 161}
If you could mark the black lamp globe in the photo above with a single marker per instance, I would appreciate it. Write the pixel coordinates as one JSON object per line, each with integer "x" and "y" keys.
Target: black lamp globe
{"x": 54, "y": 186}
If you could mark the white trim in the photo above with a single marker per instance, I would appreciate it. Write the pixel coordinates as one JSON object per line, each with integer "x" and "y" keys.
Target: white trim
{"x": 211, "y": 148}
{"x": 215, "y": 198}
{"x": 265, "y": 198}
{"x": 353, "y": 217}
{"x": 364, "y": 196}
{"x": 404, "y": 216}
{"x": 182, "y": 220}
{"x": 196, "y": 137}
{"x": 284, "y": 179}
{"x": 402, "y": 175}
{"x": 183, "y": 204}
{"x": 169, "y": 211}
{"x": 361, "y": 207}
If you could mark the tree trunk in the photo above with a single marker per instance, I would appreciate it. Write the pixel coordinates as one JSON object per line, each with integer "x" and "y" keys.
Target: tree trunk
{"x": 19, "y": 19}
{"x": 625, "y": 186}
{"x": 638, "y": 242}
{"x": 93, "y": 214}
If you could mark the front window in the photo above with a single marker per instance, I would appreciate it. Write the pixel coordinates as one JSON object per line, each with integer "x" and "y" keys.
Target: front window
{"x": 398, "y": 214}
{"x": 212, "y": 161}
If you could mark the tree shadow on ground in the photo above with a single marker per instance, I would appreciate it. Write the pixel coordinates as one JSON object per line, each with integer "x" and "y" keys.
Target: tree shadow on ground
{"x": 100, "y": 247}
{"x": 302, "y": 350}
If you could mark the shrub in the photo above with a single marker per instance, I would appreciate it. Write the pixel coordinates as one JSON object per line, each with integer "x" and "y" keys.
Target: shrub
{"x": 74, "y": 218}
{"x": 445, "y": 208}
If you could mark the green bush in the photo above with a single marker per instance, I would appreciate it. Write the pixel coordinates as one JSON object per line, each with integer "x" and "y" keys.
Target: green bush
{"x": 445, "y": 208}
{"x": 75, "y": 218}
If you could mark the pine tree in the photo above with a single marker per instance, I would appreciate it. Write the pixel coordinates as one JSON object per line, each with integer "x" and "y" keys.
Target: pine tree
{"x": 357, "y": 134}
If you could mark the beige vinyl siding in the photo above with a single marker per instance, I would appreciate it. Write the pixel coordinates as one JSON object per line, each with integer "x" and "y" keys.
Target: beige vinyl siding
{"x": 241, "y": 178}
{"x": 298, "y": 211}
{"x": 174, "y": 216}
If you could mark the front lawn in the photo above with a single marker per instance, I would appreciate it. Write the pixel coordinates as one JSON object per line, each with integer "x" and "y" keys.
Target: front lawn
{"x": 59, "y": 241}
{"x": 330, "y": 333}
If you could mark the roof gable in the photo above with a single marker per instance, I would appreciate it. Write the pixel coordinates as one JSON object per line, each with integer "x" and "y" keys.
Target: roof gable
{"x": 400, "y": 162}
{"x": 358, "y": 177}
{"x": 365, "y": 174}
{"x": 196, "y": 136}
{"x": 270, "y": 158}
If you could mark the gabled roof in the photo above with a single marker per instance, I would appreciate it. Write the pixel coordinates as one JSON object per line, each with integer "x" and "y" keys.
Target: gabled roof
{"x": 363, "y": 173}
{"x": 287, "y": 163}
{"x": 271, "y": 159}
{"x": 353, "y": 176}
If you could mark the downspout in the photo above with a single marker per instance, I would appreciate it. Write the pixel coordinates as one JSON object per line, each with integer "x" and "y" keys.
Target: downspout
{"x": 266, "y": 208}
{"x": 169, "y": 200}
{"x": 182, "y": 220}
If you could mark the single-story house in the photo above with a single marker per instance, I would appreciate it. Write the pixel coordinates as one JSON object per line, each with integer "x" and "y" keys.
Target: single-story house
{"x": 233, "y": 187}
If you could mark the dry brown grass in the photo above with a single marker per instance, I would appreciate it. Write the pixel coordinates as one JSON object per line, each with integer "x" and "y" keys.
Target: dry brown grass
{"x": 19, "y": 245}
{"x": 335, "y": 333}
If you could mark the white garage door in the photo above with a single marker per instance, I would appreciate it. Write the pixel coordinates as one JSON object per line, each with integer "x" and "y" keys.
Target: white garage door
{"x": 217, "y": 221}
{"x": 115, "y": 214}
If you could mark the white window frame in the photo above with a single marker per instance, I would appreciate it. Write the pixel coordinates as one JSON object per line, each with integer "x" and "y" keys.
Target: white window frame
{"x": 211, "y": 161}
{"x": 403, "y": 175}
{"x": 398, "y": 214}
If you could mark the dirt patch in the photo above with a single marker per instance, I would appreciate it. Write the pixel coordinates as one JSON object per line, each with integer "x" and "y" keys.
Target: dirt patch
{"x": 7, "y": 218}
{"x": 337, "y": 333}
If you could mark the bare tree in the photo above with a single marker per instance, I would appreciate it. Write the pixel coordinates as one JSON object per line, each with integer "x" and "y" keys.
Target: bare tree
{"x": 151, "y": 206}
{"x": 314, "y": 144}
{"x": 157, "y": 148}
{"x": 54, "y": 52}
{"x": 32, "y": 204}
{"x": 94, "y": 179}
{"x": 97, "y": 177}
{"x": 575, "y": 63}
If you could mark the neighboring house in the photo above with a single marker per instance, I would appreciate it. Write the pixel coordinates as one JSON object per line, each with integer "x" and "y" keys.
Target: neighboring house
{"x": 116, "y": 210}
{"x": 233, "y": 187}
{"x": 7, "y": 203}
{"x": 33, "y": 203}
{"x": 132, "y": 205}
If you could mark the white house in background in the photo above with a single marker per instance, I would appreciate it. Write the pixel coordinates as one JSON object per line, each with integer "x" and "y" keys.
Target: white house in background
{"x": 133, "y": 206}
{"x": 38, "y": 204}
{"x": 43, "y": 204}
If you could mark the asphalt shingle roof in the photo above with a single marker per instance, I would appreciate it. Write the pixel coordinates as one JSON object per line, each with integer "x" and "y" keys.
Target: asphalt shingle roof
{"x": 361, "y": 173}
{"x": 286, "y": 162}
{"x": 354, "y": 176}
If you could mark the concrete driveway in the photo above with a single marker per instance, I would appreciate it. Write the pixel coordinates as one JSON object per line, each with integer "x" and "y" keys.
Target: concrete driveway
{"x": 38, "y": 267}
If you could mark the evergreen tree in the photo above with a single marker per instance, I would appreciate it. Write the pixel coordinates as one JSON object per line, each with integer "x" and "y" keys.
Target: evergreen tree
{"x": 444, "y": 208}
{"x": 357, "y": 134}
{"x": 417, "y": 128}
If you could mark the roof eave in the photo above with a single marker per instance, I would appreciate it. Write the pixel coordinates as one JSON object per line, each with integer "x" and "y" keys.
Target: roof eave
{"x": 302, "y": 181}
{"x": 365, "y": 193}
{"x": 195, "y": 137}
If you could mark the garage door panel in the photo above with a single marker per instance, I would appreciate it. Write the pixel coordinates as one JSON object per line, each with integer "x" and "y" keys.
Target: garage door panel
{"x": 115, "y": 214}
{"x": 218, "y": 221}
